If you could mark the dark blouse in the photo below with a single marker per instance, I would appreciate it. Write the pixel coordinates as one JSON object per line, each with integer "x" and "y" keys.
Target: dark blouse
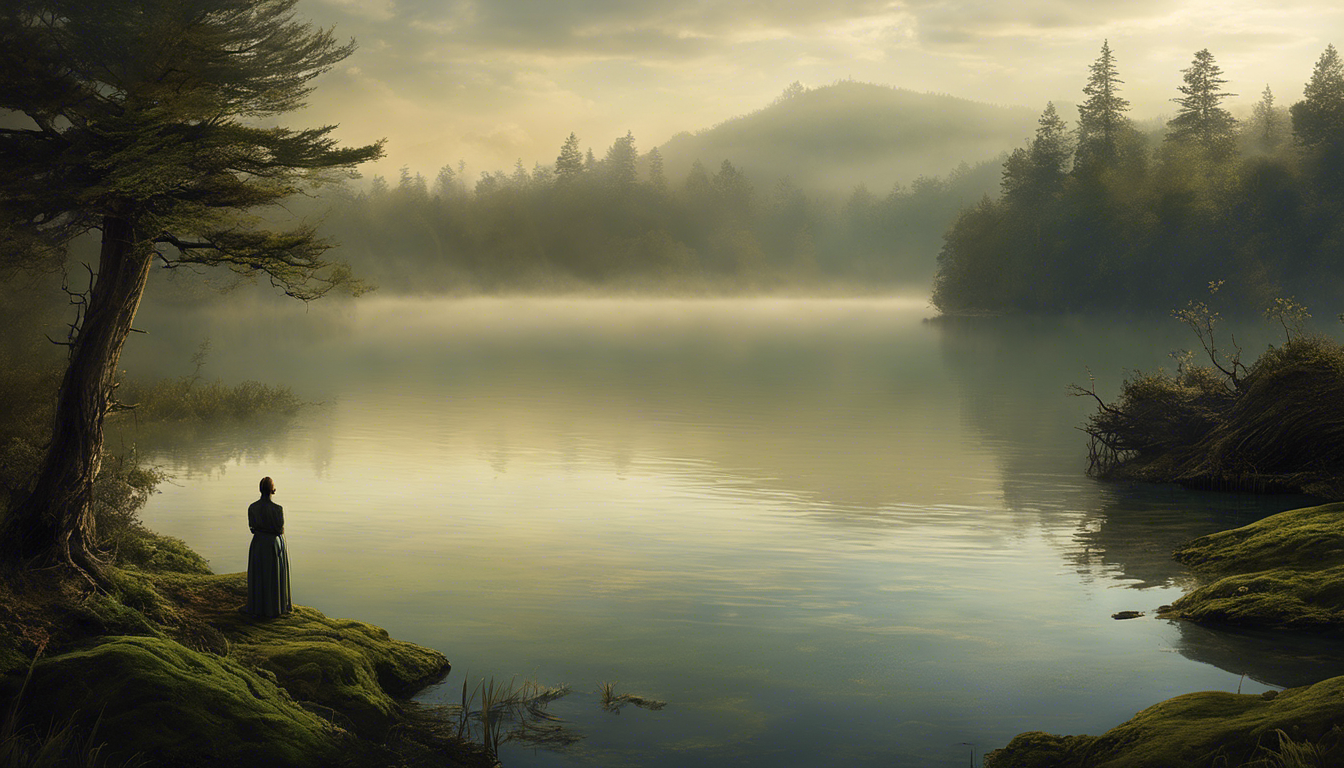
{"x": 265, "y": 516}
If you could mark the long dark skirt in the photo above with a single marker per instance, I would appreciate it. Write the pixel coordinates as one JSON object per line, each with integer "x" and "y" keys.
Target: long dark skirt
{"x": 268, "y": 576}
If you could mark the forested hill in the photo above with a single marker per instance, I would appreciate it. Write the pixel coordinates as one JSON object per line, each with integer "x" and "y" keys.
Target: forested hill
{"x": 1099, "y": 215}
{"x": 839, "y": 189}
{"x": 838, "y": 136}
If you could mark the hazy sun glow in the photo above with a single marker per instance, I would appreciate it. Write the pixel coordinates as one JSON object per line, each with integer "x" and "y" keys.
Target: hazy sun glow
{"x": 494, "y": 83}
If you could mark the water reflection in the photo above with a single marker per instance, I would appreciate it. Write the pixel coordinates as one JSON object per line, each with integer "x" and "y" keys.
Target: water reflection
{"x": 1012, "y": 376}
{"x": 1273, "y": 657}
{"x": 819, "y": 529}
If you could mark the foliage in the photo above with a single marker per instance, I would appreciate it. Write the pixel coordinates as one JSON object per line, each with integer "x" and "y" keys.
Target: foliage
{"x": 1277, "y": 425}
{"x": 1200, "y": 120}
{"x": 1135, "y": 225}
{"x": 510, "y": 712}
{"x": 1101, "y": 117}
{"x": 165, "y": 135}
{"x": 623, "y": 224}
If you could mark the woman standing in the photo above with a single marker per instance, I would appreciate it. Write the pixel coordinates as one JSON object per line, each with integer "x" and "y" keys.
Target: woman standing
{"x": 267, "y": 561}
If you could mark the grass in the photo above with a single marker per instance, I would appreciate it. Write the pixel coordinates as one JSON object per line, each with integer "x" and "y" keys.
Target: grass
{"x": 1275, "y": 426}
{"x": 494, "y": 713}
{"x": 1292, "y": 753}
{"x": 612, "y": 701}
{"x": 1211, "y": 729}
{"x": 61, "y": 746}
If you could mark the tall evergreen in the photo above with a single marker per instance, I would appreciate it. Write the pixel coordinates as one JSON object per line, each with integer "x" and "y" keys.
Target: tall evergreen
{"x": 1037, "y": 172}
{"x": 657, "y": 178}
{"x": 1266, "y": 124}
{"x": 569, "y": 164}
{"x": 1318, "y": 120}
{"x": 1201, "y": 121}
{"x": 619, "y": 165}
{"x": 1101, "y": 118}
{"x": 149, "y": 126}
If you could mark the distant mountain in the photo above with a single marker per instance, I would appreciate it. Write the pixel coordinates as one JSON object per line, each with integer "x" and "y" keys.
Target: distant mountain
{"x": 841, "y": 135}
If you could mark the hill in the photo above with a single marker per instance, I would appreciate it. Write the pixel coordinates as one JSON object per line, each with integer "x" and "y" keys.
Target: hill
{"x": 838, "y": 136}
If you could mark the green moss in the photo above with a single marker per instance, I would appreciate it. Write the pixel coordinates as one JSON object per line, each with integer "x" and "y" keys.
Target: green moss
{"x": 174, "y": 705}
{"x": 349, "y": 666}
{"x": 158, "y": 553}
{"x": 1195, "y": 730}
{"x": 1286, "y": 570}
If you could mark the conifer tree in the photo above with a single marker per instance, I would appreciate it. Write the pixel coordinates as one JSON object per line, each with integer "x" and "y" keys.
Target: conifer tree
{"x": 1318, "y": 119}
{"x": 657, "y": 179}
{"x": 1266, "y": 124}
{"x": 569, "y": 164}
{"x": 1201, "y": 122}
{"x": 1037, "y": 172}
{"x": 619, "y": 165}
{"x": 147, "y": 126}
{"x": 1101, "y": 118}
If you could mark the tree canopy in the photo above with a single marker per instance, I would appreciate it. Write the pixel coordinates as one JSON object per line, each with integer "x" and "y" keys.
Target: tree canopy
{"x": 1201, "y": 121}
{"x": 1144, "y": 225}
{"x": 144, "y": 123}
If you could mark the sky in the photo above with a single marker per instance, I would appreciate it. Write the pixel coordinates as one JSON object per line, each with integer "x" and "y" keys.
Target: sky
{"x": 492, "y": 82}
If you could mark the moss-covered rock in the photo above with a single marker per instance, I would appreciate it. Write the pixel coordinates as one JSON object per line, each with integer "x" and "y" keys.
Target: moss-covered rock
{"x": 1195, "y": 730}
{"x": 349, "y": 666}
{"x": 173, "y": 705}
{"x": 1286, "y": 570}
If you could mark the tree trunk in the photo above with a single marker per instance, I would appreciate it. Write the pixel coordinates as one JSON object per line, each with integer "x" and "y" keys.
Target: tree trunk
{"x": 54, "y": 523}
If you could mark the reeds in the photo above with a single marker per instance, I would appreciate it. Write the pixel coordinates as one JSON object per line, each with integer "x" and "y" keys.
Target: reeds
{"x": 613, "y": 701}
{"x": 494, "y": 713}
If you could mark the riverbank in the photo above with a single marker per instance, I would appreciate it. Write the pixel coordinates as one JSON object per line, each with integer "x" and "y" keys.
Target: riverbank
{"x": 1286, "y": 571}
{"x": 165, "y": 669}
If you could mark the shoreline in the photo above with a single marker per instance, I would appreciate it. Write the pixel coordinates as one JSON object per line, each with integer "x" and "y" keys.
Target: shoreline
{"x": 1286, "y": 572}
{"x": 166, "y": 669}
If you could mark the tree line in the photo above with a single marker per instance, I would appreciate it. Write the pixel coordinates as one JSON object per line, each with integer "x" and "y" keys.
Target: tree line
{"x": 619, "y": 221}
{"x": 1104, "y": 216}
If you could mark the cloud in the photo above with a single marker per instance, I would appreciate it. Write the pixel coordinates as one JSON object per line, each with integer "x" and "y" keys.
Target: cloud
{"x": 493, "y": 80}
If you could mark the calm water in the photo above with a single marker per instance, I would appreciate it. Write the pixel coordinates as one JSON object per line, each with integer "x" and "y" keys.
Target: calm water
{"x": 822, "y": 531}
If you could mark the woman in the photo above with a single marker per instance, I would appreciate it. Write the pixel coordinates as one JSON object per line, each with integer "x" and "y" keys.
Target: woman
{"x": 267, "y": 561}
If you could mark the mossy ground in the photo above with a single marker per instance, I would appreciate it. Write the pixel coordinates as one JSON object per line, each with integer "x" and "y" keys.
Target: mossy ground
{"x": 1284, "y": 571}
{"x": 164, "y": 665}
{"x": 1197, "y": 730}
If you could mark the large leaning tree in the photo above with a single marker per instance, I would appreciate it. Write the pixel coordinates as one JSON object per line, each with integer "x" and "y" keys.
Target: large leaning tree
{"x": 147, "y": 122}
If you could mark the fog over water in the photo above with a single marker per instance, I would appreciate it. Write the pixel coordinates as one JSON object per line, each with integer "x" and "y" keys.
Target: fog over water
{"x": 822, "y": 530}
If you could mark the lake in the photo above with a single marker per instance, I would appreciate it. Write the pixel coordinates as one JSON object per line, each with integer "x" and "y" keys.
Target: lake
{"x": 822, "y": 531}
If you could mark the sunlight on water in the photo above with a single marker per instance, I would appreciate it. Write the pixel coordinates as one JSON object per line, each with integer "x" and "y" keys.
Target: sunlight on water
{"x": 824, "y": 531}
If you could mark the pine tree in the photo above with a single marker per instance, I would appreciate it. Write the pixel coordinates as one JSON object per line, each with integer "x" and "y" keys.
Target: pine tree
{"x": 619, "y": 165}
{"x": 1318, "y": 120}
{"x": 1101, "y": 118}
{"x": 148, "y": 127}
{"x": 1201, "y": 122}
{"x": 569, "y": 165}
{"x": 1033, "y": 174}
{"x": 656, "y": 178}
{"x": 446, "y": 184}
{"x": 1266, "y": 124}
